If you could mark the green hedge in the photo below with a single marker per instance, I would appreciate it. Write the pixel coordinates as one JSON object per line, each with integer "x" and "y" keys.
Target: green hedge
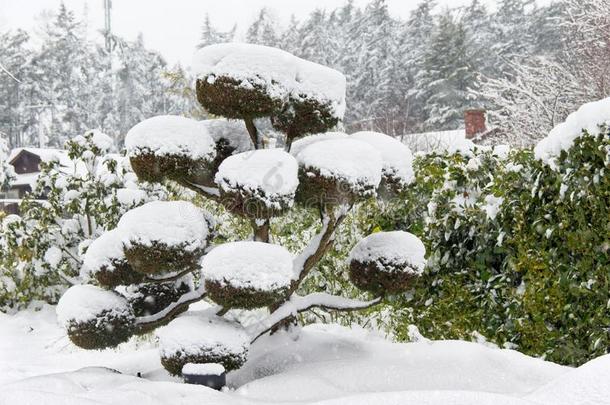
{"x": 535, "y": 276}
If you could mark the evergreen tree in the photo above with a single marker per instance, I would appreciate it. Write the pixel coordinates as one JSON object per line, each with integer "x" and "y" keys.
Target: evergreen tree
{"x": 263, "y": 30}
{"x": 14, "y": 70}
{"x": 210, "y": 35}
{"x": 61, "y": 72}
{"x": 449, "y": 74}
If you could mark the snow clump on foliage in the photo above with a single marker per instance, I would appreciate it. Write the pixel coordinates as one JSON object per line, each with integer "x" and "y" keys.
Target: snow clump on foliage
{"x": 280, "y": 73}
{"x": 589, "y": 117}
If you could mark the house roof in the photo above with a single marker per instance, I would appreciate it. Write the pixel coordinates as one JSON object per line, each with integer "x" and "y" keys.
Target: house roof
{"x": 46, "y": 154}
{"x": 437, "y": 141}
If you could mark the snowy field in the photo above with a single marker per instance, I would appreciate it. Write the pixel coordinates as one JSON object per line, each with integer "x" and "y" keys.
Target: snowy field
{"x": 38, "y": 365}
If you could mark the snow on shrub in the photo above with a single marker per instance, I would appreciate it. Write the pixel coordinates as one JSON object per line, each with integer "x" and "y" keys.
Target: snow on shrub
{"x": 518, "y": 249}
{"x": 396, "y": 157}
{"x": 249, "y": 81}
{"x": 590, "y": 118}
{"x": 302, "y": 143}
{"x": 85, "y": 195}
{"x": 162, "y": 236}
{"x": 201, "y": 339}
{"x": 164, "y": 241}
{"x": 105, "y": 260}
{"x": 247, "y": 274}
{"x": 338, "y": 171}
{"x": 95, "y": 318}
{"x": 258, "y": 184}
{"x": 170, "y": 146}
{"x": 387, "y": 262}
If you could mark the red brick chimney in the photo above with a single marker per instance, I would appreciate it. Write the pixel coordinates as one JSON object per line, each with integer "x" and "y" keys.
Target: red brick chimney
{"x": 474, "y": 122}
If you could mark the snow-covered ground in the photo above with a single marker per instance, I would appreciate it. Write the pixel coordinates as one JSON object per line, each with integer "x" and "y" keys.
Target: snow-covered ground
{"x": 327, "y": 364}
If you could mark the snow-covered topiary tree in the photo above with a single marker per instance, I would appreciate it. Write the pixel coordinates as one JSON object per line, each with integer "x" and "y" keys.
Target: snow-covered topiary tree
{"x": 164, "y": 243}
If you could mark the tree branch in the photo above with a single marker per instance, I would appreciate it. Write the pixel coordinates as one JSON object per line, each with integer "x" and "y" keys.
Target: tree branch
{"x": 171, "y": 277}
{"x": 9, "y": 73}
{"x": 261, "y": 230}
{"x": 158, "y": 319}
{"x": 319, "y": 245}
{"x": 254, "y": 136}
{"x": 297, "y": 304}
{"x": 210, "y": 192}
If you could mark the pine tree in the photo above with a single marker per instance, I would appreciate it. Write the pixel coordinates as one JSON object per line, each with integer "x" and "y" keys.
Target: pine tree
{"x": 263, "y": 30}
{"x": 210, "y": 35}
{"x": 62, "y": 71}
{"x": 449, "y": 74}
{"x": 14, "y": 71}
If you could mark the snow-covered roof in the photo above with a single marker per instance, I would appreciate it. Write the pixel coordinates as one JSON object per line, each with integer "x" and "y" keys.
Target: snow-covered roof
{"x": 46, "y": 154}
{"x": 437, "y": 141}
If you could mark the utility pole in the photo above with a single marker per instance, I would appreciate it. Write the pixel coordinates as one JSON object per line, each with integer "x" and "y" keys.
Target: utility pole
{"x": 108, "y": 24}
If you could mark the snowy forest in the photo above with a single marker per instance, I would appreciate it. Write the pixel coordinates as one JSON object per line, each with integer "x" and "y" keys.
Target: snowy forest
{"x": 521, "y": 62}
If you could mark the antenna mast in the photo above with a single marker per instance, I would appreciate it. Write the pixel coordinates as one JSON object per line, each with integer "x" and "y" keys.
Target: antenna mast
{"x": 108, "y": 24}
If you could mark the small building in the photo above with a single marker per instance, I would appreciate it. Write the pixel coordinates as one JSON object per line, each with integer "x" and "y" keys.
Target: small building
{"x": 26, "y": 162}
{"x": 452, "y": 140}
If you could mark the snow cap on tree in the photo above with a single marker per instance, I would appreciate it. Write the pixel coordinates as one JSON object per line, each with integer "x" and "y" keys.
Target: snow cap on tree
{"x": 202, "y": 339}
{"x": 247, "y": 274}
{"x": 171, "y": 146}
{"x": 164, "y": 236}
{"x": 95, "y": 318}
{"x": 397, "y": 160}
{"x": 105, "y": 260}
{"x": 338, "y": 171}
{"x": 249, "y": 81}
{"x": 387, "y": 262}
{"x": 300, "y": 144}
{"x": 258, "y": 184}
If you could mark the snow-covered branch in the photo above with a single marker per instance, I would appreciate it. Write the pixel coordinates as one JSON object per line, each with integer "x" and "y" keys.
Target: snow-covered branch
{"x": 169, "y": 277}
{"x": 210, "y": 192}
{"x": 152, "y": 321}
{"x": 297, "y": 304}
{"x": 9, "y": 73}
{"x": 319, "y": 244}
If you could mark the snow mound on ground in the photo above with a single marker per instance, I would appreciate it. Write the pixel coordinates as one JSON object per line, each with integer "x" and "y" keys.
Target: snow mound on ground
{"x": 272, "y": 171}
{"x": 396, "y": 156}
{"x": 258, "y": 265}
{"x": 281, "y": 73}
{"x": 427, "y": 398}
{"x": 588, "y": 117}
{"x": 330, "y": 361}
{"x": 102, "y": 251}
{"x": 326, "y": 362}
{"x": 395, "y": 247}
{"x": 589, "y": 384}
{"x": 98, "y": 385}
{"x": 170, "y": 135}
{"x": 300, "y": 144}
{"x": 189, "y": 333}
{"x": 349, "y": 160}
{"x": 233, "y": 131}
{"x": 173, "y": 223}
{"x": 82, "y": 303}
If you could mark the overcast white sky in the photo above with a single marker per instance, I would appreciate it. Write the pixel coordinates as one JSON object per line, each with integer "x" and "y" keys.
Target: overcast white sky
{"x": 172, "y": 26}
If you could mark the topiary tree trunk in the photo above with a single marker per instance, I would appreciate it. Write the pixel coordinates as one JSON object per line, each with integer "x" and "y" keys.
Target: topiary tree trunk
{"x": 161, "y": 243}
